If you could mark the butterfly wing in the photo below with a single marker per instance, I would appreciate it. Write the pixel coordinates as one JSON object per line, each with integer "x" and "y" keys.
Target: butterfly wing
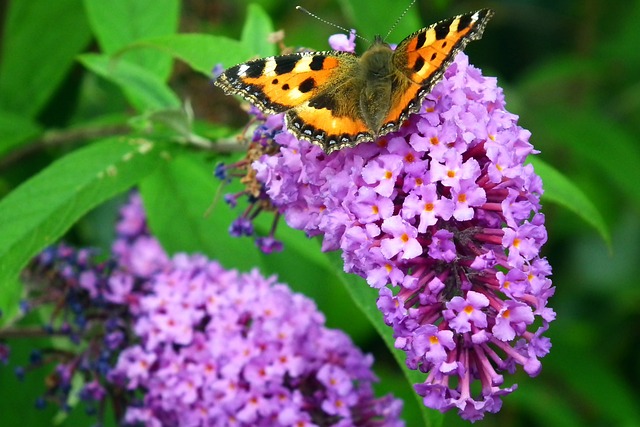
{"x": 316, "y": 89}
{"x": 422, "y": 58}
{"x": 278, "y": 83}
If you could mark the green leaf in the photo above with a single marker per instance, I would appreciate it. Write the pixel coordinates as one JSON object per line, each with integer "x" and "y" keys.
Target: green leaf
{"x": 143, "y": 88}
{"x": 593, "y": 136}
{"x": 10, "y": 297}
{"x": 256, "y": 31}
{"x": 14, "y": 130}
{"x": 43, "y": 208}
{"x": 119, "y": 23}
{"x": 40, "y": 41}
{"x": 559, "y": 189}
{"x": 177, "y": 198}
{"x": 201, "y": 51}
{"x": 557, "y": 75}
{"x": 365, "y": 298}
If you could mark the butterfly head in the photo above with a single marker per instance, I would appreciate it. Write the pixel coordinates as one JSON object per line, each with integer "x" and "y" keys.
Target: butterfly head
{"x": 378, "y": 40}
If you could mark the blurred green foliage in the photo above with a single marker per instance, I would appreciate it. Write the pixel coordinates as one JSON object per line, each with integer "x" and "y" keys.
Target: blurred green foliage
{"x": 92, "y": 103}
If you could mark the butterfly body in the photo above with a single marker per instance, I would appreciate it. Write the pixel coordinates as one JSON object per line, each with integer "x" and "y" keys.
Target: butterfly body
{"x": 377, "y": 77}
{"x": 337, "y": 99}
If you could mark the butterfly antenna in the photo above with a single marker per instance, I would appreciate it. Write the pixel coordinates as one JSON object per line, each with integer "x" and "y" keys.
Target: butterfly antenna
{"x": 313, "y": 15}
{"x": 395, "y": 24}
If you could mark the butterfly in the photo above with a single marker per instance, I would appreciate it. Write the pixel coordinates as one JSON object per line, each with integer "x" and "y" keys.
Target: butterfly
{"x": 338, "y": 99}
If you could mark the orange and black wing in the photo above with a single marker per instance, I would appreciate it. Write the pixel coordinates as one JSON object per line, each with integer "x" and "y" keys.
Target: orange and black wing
{"x": 424, "y": 56}
{"x": 313, "y": 87}
{"x": 278, "y": 83}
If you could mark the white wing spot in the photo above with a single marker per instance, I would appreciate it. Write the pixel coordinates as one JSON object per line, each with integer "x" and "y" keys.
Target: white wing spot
{"x": 269, "y": 67}
{"x": 303, "y": 64}
{"x": 454, "y": 25}
{"x": 242, "y": 71}
{"x": 430, "y": 37}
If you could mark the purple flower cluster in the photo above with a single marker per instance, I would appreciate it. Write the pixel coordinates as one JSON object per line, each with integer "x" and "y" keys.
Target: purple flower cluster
{"x": 222, "y": 348}
{"x": 185, "y": 342}
{"x": 447, "y": 213}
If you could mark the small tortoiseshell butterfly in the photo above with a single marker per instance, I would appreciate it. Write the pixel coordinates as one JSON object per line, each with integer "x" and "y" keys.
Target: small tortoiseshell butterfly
{"x": 337, "y": 99}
